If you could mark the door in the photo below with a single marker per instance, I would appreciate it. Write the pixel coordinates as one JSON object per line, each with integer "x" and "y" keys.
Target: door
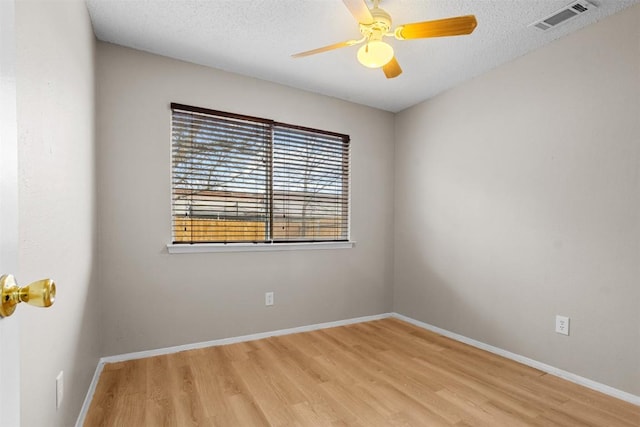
{"x": 9, "y": 327}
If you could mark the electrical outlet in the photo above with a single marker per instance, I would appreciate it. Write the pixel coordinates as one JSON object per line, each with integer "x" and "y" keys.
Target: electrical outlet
{"x": 268, "y": 298}
{"x": 562, "y": 325}
{"x": 59, "y": 389}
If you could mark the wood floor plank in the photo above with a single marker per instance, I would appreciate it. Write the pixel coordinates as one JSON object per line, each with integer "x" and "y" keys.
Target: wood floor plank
{"x": 381, "y": 373}
{"x": 619, "y": 408}
{"x": 245, "y": 412}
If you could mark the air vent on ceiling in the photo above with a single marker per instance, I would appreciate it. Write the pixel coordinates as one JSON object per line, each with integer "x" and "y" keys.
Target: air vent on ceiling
{"x": 563, "y": 15}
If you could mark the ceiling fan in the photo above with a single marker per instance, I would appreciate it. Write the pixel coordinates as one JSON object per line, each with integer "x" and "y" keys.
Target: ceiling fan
{"x": 375, "y": 24}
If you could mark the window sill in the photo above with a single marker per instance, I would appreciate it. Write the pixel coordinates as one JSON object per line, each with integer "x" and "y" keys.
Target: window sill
{"x": 254, "y": 247}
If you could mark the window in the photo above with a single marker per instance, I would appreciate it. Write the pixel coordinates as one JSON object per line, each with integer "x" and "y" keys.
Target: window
{"x": 244, "y": 179}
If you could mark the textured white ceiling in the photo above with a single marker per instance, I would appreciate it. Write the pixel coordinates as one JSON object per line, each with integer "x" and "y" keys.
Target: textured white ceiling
{"x": 256, "y": 38}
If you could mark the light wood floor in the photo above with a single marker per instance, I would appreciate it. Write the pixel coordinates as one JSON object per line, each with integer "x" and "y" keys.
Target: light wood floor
{"x": 380, "y": 373}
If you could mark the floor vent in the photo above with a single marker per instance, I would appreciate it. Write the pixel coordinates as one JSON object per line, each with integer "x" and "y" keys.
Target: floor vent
{"x": 563, "y": 15}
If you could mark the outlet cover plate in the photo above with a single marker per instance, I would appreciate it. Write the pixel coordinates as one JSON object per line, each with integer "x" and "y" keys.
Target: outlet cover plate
{"x": 59, "y": 389}
{"x": 562, "y": 325}
{"x": 268, "y": 298}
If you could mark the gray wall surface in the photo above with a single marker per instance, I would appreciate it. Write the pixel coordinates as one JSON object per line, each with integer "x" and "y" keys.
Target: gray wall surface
{"x": 517, "y": 197}
{"x": 152, "y": 299}
{"x": 57, "y": 217}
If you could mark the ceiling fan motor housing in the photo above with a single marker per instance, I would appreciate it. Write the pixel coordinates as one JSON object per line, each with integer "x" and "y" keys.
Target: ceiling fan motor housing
{"x": 379, "y": 27}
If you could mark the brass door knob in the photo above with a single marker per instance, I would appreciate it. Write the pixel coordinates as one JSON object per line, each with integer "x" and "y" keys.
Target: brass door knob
{"x": 41, "y": 293}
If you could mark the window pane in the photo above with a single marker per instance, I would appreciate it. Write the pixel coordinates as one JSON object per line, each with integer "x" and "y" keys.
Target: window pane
{"x": 220, "y": 179}
{"x": 245, "y": 179}
{"x": 310, "y": 185}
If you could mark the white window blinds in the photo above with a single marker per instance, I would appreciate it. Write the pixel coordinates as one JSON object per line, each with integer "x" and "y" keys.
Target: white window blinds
{"x": 243, "y": 179}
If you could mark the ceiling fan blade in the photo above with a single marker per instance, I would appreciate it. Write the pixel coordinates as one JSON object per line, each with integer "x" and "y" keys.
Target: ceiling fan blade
{"x": 359, "y": 10}
{"x": 457, "y": 26}
{"x": 392, "y": 68}
{"x": 327, "y": 48}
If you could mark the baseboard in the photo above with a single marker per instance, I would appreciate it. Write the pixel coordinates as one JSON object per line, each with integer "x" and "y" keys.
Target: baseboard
{"x": 90, "y": 393}
{"x": 586, "y": 382}
{"x": 223, "y": 341}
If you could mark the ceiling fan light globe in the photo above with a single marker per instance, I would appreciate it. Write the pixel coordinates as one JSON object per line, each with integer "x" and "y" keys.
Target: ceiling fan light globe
{"x": 375, "y": 54}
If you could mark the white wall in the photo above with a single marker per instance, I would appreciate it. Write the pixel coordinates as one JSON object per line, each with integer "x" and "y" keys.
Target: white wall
{"x": 55, "y": 107}
{"x": 518, "y": 198}
{"x": 151, "y": 299}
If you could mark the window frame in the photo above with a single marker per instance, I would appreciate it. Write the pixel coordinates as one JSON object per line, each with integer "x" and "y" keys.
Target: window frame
{"x": 270, "y": 243}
